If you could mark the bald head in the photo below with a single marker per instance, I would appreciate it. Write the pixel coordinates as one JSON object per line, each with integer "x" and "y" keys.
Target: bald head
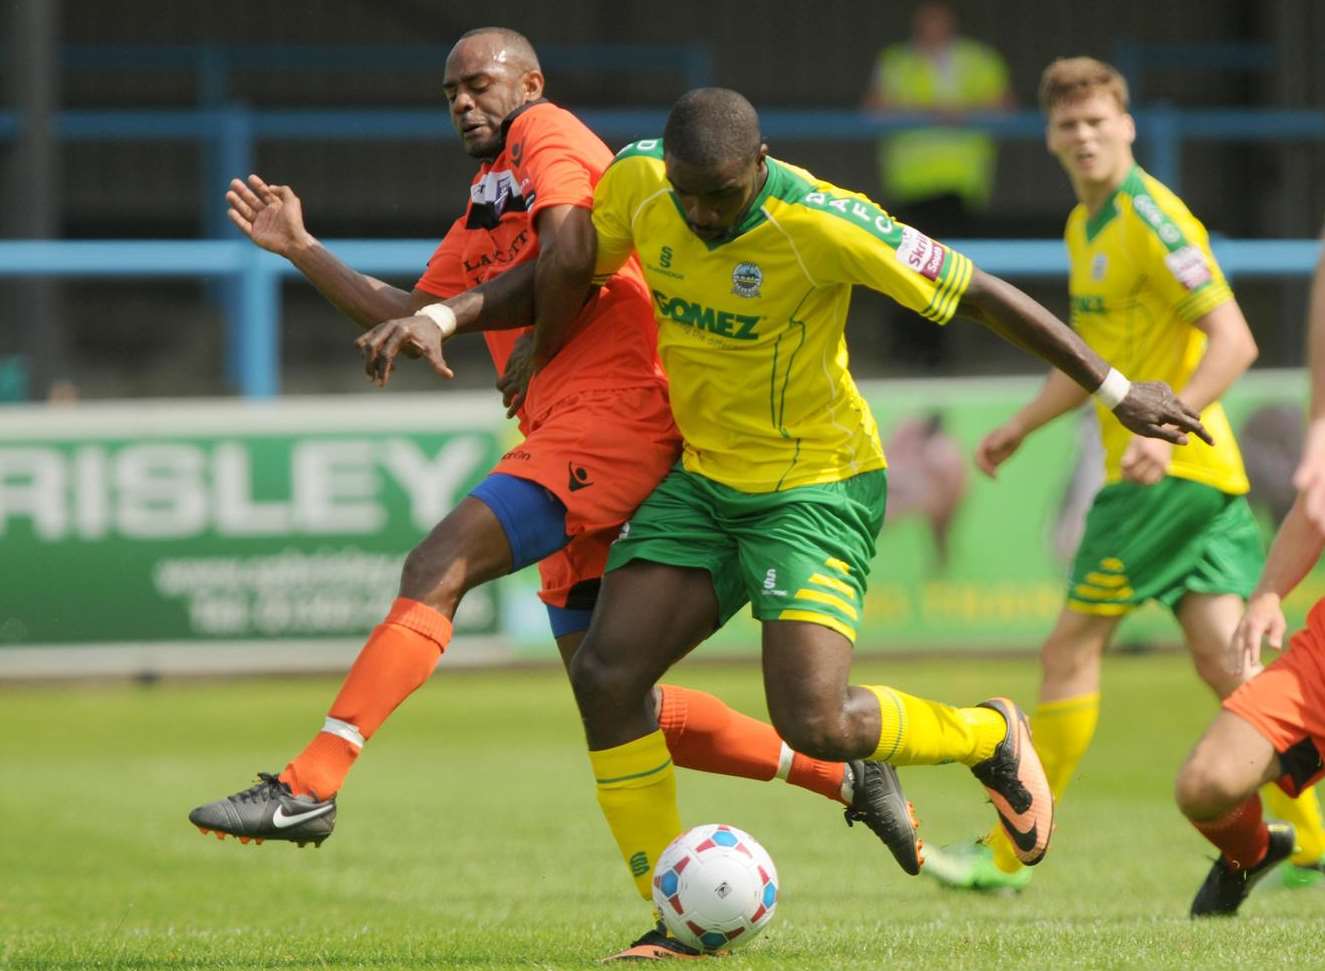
{"x": 490, "y": 72}
{"x": 712, "y": 126}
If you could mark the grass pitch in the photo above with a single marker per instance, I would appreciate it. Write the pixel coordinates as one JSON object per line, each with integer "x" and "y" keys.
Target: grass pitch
{"x": 468, "y": 837}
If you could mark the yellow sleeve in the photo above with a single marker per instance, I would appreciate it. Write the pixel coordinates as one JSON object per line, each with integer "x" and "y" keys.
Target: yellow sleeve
{"x": 614, "y": 202}
{"x": 1174, "y": 254}
{"x": 848, "y": 239}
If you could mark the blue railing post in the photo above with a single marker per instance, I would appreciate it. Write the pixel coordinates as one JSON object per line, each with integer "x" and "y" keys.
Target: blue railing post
{"x": 257, "y": 344}
{"x": 1161, "y": 138}
{"x": 1128, "y": 60}
{"x": 212, "y": 84}
{"x": 231, "y": 157}
{"x": 698, "y": 66}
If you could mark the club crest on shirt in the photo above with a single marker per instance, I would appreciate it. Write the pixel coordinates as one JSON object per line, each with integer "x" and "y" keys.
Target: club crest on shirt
{"x": 1098, "y": 265}
{"x": 747, "y": 279}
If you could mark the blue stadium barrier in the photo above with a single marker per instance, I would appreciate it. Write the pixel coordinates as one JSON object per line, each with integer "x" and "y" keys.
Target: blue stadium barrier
{"x": 254, "y": 341}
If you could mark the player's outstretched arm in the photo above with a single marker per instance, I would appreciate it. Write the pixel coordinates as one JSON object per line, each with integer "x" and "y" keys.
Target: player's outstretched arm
{"x": 1296, "y": 548}
{"x": 502, "y": 303}
{"x": 1146, "y": 407}
{"x": 272, "y": 217}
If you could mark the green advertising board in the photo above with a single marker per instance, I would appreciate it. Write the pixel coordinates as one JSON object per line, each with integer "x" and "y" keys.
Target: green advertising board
{"x": 178, "y": 522}
{"x": 193, "y": 523}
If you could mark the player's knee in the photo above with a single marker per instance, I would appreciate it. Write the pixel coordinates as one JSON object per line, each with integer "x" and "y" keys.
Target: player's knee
{"x": 1216, "y": 675}
{"x": 1206, "y": 789}
{"x": 602, "y": 683}
{"x": 432, "y": 579}
{"x": 818, "y": 733}
{"x": 1063, "y": 659}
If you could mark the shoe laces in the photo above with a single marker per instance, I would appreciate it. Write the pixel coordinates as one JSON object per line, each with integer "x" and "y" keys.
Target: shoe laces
{"x": 1000, "y": 774}
{"x": 267, "y": 787}
{"x": 871, "y": 819}
{"x": 862, "y": 809}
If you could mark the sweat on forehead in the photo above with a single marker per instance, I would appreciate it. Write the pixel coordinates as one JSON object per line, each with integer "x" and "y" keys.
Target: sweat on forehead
{"x": 507, "y": 46}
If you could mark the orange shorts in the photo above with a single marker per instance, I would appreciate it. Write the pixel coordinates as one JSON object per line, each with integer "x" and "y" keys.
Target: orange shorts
{"x": 1286, "y": 704}
{"x": 601, "y": 453}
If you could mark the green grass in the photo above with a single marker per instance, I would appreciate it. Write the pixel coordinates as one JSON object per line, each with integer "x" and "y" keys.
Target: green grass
{"x": 469, "y": 837}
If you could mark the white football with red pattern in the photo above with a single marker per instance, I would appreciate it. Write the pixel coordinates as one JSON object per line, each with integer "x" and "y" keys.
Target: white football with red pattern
{"x": 715, "y": 886}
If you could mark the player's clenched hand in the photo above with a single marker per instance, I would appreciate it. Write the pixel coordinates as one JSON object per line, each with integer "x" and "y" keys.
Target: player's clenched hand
{"x": 1263, "y": 622}
{"x": 514, "y": 381}
{"x": 1309, "y": 479}
{"x": 997, "y": 447}
{"x": 1150, "y": 409}
{"x": 414, "y": 336}
{"x": 1146, "y": 460}
{"x": 270, "y": 215}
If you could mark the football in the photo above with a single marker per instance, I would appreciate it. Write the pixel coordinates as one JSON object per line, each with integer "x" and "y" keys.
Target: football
{"x": 715, "y": 886}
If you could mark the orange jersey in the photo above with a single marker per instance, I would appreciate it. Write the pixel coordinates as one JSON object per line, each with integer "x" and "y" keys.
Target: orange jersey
{"x": 549, "y": 158}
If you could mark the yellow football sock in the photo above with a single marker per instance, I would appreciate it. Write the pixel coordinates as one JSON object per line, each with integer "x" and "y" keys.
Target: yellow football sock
{"x": 1061, "y": 731}
{"x": 916, "y": 731}
{"x": 1304, "y": 813}
{"x": 637, "y": 790}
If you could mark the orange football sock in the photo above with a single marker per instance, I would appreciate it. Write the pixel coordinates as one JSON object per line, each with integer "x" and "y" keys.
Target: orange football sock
{"x": 704, "y": 733}
{"x": 398, "y": 658}
{"x": 1239, "y": 834}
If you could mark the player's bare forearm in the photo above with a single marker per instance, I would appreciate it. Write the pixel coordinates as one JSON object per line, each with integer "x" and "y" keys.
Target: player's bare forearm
{"x": 563, "y": 277}
{"x": 1296, "y": 548}
{"x": 1229, "y": 350}
{"x": 364, "y": 299}
{"x": 502, "y": 303}
{"x": 1020, "y": 320}
{"x": 1057, "y": 396}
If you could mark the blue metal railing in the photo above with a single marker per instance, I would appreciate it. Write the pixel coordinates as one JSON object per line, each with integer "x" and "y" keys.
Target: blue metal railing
{"x": 256, "y": 275}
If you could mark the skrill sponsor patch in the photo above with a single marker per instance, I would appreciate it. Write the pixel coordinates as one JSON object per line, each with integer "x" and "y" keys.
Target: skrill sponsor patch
{"x": 1188, "y": 265}
{"x": 921, "y": 253}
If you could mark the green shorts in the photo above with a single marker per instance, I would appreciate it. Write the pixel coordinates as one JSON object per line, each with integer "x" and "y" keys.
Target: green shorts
{"x": 1161, "y": 542}
{"x": 799, "y": 554}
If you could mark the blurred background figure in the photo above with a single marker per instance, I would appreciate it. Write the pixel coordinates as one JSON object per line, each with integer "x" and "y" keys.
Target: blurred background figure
{"x": 926, "y": 477}
{"x": 936, "y": 179}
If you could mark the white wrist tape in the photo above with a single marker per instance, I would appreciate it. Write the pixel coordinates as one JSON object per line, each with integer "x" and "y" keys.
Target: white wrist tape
{"x": 1113, "y": 390}
{"x": 441, "y": 315}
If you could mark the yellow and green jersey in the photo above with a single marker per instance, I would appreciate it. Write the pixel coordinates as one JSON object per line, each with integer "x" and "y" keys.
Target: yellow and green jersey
{"x": 750, "y": 329}
{"x": 1142, "y": 274}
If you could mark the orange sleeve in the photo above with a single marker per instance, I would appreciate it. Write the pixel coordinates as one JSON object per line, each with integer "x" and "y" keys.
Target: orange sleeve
{"x": 445, "y": 276}
{"x": 560, "y": 157}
